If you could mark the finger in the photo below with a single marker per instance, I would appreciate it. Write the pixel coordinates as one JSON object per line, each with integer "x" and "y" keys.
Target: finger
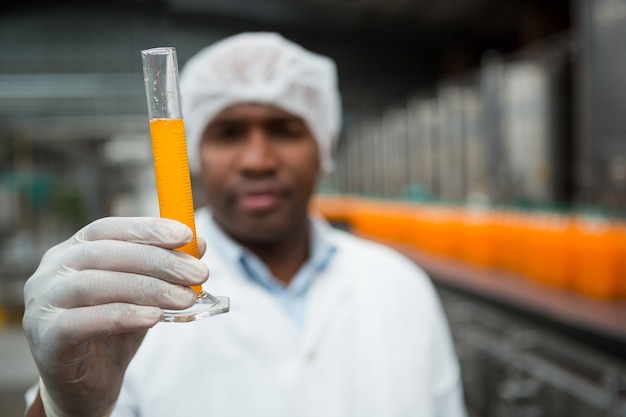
{"x": 148, "y": 230}
{"x": 96, "y": 287}
{"x": 201, "y": 246}
{"x": 111, "y": 255}
{"x": 81, "y": 324}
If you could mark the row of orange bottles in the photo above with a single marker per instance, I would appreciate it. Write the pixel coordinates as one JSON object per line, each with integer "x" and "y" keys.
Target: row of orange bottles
{"x": 573, "y": 252}
{"x": 598, "y": 253}
{"x": 565, "y": 251}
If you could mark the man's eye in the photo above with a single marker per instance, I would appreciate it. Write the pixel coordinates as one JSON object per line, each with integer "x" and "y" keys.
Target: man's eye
{"x": 286, "y": 132}
{"x": 226, "y": 134}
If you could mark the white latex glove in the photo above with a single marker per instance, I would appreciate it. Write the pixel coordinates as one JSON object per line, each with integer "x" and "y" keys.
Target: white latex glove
{"x": 90, "y": 302}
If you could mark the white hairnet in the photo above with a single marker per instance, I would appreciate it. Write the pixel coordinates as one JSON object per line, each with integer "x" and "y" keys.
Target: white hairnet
{"x": 261, "y": 67}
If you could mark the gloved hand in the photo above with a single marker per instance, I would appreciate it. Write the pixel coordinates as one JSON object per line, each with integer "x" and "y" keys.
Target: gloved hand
{"x": 93, "y": 297}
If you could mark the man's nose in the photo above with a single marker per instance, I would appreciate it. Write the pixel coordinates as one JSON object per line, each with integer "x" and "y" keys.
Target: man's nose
{"x": 258, "y": 156}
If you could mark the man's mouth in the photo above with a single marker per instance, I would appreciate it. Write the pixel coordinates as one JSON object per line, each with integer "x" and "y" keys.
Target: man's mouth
{"x": 259, "y": 201}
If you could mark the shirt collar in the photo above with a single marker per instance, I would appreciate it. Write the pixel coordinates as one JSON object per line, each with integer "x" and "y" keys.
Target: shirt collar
{"x": 322, "y": 251}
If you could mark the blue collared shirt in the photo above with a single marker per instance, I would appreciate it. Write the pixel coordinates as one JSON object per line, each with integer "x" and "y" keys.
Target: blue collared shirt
{"x": 291, "y": 297}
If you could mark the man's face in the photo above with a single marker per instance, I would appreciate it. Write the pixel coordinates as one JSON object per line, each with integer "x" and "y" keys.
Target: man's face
{"x": 259, "y": 169}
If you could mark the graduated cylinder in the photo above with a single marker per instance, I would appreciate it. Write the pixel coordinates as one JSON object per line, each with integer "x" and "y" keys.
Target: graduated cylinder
{"x": 169, "y": 145}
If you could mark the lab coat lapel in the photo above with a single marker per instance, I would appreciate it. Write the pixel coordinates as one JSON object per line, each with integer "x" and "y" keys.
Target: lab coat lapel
{"x": 328, "y": 296}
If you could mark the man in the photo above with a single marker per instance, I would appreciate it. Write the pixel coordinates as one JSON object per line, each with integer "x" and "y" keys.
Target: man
{"x": 321, "y": 323}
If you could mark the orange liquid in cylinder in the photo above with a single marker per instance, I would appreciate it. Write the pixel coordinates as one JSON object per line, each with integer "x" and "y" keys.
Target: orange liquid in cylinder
{"x": 171, "y": 168}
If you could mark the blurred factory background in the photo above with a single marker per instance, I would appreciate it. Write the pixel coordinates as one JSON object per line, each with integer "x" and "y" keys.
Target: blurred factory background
{"x": 476, "y": 121}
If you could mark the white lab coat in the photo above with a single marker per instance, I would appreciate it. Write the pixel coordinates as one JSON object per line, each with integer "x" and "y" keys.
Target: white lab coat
{"x": 374, "y": 342}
